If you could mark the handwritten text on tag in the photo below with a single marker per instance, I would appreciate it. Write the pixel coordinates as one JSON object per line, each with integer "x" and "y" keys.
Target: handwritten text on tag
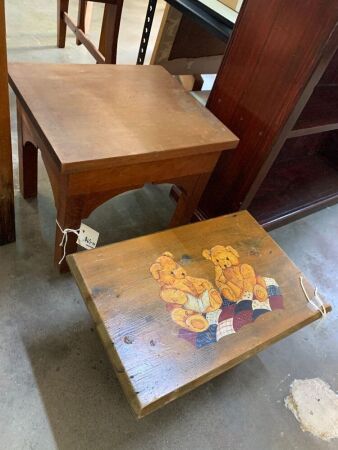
{"x": 87, "y": 237}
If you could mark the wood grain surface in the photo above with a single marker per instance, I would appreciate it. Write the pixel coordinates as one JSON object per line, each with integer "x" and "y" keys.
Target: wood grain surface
{"x": 271, "y": 66}
{"x": 103, "y": 130}
{"x": 153, "y": 364}
{"x": 7, "y": 223}
{"x": 103, "y": 115}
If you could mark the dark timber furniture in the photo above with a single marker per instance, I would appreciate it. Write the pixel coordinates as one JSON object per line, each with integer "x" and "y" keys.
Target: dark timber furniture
{"x": 109, "y": 31}
{"x": 97, "y": 143}
{"x": 7, "y": 223}
{"x": 148, "y": 295}
{"x": 192, "y": 38}
{"x": 187, "y": 47}
{"x": 217, "y": 18}
{"x": 207, "y": 23}
{"x": 277, "y": 89}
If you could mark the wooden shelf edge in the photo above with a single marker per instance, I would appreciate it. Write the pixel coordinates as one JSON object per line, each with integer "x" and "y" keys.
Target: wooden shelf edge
{"x": 320, "y": 111}
{"x": 312, "y": 130}
{"x": 284, "y": 219}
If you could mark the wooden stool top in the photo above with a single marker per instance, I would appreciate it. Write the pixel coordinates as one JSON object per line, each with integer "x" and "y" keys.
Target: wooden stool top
{"x": 176, "y": 308}
{"x": 96, "y": 116}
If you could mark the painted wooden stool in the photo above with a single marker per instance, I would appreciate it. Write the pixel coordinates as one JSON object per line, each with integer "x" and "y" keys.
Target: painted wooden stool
{"x": 106, "y": 53}
{"x": 177, "y": 308}
{"x": 105, "y": 129}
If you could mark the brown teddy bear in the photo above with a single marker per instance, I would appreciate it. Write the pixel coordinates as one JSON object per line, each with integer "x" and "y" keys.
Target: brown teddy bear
{"x": 232, "y": 278}
{"x": 191, "y": 297}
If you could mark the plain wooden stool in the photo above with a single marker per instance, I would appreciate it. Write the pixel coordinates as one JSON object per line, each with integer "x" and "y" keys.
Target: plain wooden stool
{"x": 109, "y": 30}
{"x": 161, "y": 308}
{"x": 142, "y": 127}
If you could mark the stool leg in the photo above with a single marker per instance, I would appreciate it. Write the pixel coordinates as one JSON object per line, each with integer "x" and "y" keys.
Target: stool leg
{"x": 192, "y": 82}
{"x": 28, "y": 170}
{"x": 191, "y": 189}
{"x": 110, "y": 31}
{"x": 69, "y": 215}
{"x": 62, "y": 6}
{"x": 84, "y": 17}
{"x": 28, "y": 163}
{"x": 197, "y": 82}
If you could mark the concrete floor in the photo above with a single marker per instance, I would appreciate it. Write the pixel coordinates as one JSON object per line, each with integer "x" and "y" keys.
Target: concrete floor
{"x": 57, "y": 388}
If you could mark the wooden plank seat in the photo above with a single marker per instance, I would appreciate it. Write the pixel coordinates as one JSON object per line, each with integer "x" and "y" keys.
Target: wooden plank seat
{"x": 177, "y": 308}
{"x": 105, "y": 129}
{"x": 106, "y": 53}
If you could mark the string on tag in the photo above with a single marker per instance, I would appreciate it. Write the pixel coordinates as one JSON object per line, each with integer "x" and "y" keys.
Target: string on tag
{"x": 315, "y": 301}
{"x": 64, "y": 240}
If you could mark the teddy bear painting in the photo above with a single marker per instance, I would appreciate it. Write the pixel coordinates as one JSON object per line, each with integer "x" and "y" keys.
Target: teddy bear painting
{"x": 233, "y": 278}
{"x": 190, "y": 298}
{"x": 205, "y": 314}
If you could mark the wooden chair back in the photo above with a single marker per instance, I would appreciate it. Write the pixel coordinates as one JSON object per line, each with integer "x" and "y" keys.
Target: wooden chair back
{"x": 106, "y": 53}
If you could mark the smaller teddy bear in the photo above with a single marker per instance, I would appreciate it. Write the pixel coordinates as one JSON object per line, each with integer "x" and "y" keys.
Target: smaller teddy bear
{"x": 191, "y": 297}
{"x": 232, "y": 278}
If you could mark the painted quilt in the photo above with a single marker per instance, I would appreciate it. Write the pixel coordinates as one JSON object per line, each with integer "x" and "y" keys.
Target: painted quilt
{"x": 231, "y": 317}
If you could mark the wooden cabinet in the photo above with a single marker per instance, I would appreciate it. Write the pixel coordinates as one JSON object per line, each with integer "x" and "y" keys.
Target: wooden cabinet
{"x": 277, "y": 89}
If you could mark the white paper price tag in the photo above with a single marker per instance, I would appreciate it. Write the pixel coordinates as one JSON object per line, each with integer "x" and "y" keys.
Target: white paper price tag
{"x": 87, "y": 237}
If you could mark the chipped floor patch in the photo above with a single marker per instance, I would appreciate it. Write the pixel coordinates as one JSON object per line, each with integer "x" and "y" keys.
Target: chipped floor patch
{"x": 315, "y": 406}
